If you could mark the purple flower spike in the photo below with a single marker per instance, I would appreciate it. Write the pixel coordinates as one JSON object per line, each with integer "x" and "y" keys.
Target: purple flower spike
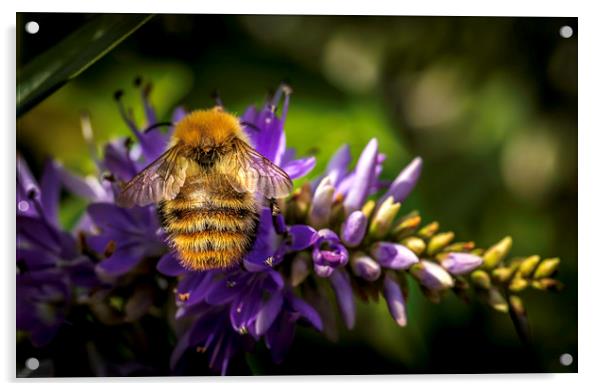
{"x": 393, "y": 255}
{"x": 461, "y": 263}
{"x": 328, "y": 250}
{"x": 354, "y": 228}
{"x": 342, "y": 288}
{"x": 404, "y": 183}
{"x": 395, "y": 299}
{"x": 365, "y": 173}
{"x": 365, "y": 267}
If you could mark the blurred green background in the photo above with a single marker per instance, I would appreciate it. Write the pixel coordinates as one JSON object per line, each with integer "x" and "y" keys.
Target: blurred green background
{"x": 489, "y": 103}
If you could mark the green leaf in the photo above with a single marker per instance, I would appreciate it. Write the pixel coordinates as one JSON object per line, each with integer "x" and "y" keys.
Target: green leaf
{"x": 70, "y": 57}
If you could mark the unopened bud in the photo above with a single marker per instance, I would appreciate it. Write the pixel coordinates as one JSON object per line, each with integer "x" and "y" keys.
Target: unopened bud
{"x": 518, "y": 284}
{"x": 354, "y": 228}
{"x": 300, "y": 268}
{"x": 429, "y": 230}
{"x": 368, "y": 208}
{"x": 432, "y": 276}
{"x": 546, "y": 268}
{"x": 502, "y": 274}
{"x": 383, "y": 218}
{"x": 321, "y": 205}
{"x": 459, "y": 247}
{"x": 415, "y": 244}
{"x": 407, "y": 225}
{"x": 480, "y": 279}
{"x": 394, "y": 298}
{"x": 461, "y": 263}
{"x": 517, "y": 305}
{"x": 365, "y": 267}
{"x": 393, "y": 255}
{"x": 497, "y": 301}
{"x": 494, "y": 255}
{"x": 439, "y": 241}
{"x": 547, "y": 284}
{"x": 528, "y": 265}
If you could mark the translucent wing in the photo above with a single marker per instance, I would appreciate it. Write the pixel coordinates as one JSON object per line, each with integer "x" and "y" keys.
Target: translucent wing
{"x": 256, "y": 173}
{"x": 160, "y": 180}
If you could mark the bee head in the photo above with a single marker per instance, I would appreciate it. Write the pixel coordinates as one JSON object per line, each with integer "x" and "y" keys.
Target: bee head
{"x": 206, "y": 130}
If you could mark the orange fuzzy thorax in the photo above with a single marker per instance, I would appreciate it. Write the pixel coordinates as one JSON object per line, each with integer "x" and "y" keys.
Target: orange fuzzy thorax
{"x": 207, "y": 128}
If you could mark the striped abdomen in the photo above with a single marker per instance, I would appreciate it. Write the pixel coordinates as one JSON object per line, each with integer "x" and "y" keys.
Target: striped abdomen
{"x": 209, "y": 223}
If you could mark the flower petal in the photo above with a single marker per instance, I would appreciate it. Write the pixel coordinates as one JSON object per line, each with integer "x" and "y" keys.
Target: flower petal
{"x": 170, "y": 265}
{"x": 403, "y": 185}
{"x": 342, "y": 288}
{"x": 268, "y": 313}
{"x": 365, "y": 174}
{"x": 300, "y": 167}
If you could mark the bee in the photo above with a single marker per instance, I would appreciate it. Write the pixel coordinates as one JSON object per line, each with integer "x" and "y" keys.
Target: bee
{"x": 210, "y": 185}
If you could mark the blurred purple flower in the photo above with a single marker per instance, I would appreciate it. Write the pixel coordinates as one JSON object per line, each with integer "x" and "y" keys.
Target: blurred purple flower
{"x": 461, "y": 263}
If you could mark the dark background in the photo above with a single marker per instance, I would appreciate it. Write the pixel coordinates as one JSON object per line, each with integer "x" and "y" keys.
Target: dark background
{"x": 489, "y": 103}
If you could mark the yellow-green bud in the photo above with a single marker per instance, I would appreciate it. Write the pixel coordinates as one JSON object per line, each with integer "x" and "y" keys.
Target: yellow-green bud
{"x": 481, "y": 279}
{"x": 383, "y": 218}
{"x": 547, "y": 284}
{"x": 459, "y": 247}
{"x": 415, "y": 244}
{"x": 429, "y": 230}
{"x": 518, "y": 284}
{"x": 517, "y": 305}
{"x": 528, "y": 265}
{"x": 494, "y": 255}
{"x": 407, "y": 225}
{"x": 368, "y": 208}
{"x": 439, "y": 241}
{"x": 502, "y": 274}
{"x": 546, "y": 268}
{"x": 497, "y": 301}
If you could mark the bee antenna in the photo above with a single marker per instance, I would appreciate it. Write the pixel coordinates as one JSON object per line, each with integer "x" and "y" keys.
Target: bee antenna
{"x": 250, "y": 125}
{"x": 157, "y": 125}
{"x": 215, "y": 96}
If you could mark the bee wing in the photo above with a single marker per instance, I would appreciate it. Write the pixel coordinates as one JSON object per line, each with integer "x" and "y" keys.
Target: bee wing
{"x": 256, "y": 173}
{"x": 160, "y": 180}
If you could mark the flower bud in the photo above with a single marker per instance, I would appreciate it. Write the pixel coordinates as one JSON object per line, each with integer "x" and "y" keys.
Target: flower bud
{"x": 415, "y": 244}
{"x": 460, "y": 263}
{"x": 383, "y": 218}
{"x": 365, "y": 267}
{"x": 481, "y": 279}
{"x": 546, "y": 268}
{"x": 300, "y": 268}
{"x": 393, "y": 255}
{"x": 429, "y": 230}
{"x": 528, "y": 265}
{"x": 518, "y": 284}
{"x": 459, "y": 247}
{"x": 407, "y": 225}
{"x": 432, "y": 276}
{"x": 298, "y": 205}
{"x": 353, "y": 229}
{"x": 497, "y": 301}
{"x": 517, "y": 305}
{"x": 341, "y": 285}
{"x": 502, "y": 274}
{"x": 395, "y": 299}
{"x": 368, "y": 208}
{"x": 321, "y": 205}
{"x": 494, "y": 255}
{"x": 405, "y": 181}
{"x": 439, "y": 241}
{"x": 547, "y": 284}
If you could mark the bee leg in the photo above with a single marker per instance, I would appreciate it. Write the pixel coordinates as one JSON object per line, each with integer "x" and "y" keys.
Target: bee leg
{"x": 277, "y": 218}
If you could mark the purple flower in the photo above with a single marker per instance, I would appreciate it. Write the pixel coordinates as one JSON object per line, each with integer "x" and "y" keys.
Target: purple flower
{"x": 328, "y": 251}
{"x": 126, "y": 235}
{"x": 393, "y": 255}
{"x": 51, "y": 271}
{"x": 461, "y": 263}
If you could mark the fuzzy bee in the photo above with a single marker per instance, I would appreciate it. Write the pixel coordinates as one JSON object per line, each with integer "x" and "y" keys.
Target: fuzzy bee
{"x": 209, "y": 185}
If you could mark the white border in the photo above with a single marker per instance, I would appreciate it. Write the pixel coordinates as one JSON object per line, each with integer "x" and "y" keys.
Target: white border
{"x": 590, "y": 66}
